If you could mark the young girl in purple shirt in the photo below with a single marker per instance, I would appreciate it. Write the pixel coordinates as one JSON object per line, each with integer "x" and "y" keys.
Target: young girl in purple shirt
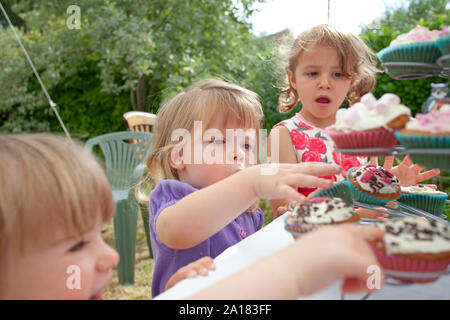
{"x": 204, "y": 161}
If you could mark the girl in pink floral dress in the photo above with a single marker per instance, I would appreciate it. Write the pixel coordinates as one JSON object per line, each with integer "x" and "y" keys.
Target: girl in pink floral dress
{"x": 312, "y": 144}
{"x": 325, "y": 66}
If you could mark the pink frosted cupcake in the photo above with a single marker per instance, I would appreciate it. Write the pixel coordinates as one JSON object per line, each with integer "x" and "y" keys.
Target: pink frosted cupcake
{"x": 413, "y": 249}
{"x": 370, "y": 123}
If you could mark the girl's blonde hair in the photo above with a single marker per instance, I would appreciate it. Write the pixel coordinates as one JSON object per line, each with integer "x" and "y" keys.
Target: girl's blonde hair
{"x": 357, "y": 61}
{"x": 48, "y": 182}
{"x": 201, "y": 101}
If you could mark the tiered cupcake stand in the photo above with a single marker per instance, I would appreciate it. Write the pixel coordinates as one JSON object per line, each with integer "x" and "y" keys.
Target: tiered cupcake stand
{"x": 408, "y": 70}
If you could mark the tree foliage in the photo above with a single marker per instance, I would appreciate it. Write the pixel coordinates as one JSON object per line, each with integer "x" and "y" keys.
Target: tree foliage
{"x": 171, "y": 43}
{"x": 135, "y": 54}
{"x": 398, "y": 20}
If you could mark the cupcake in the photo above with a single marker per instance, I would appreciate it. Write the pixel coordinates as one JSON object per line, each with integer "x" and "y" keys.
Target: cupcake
{"x": 413, "y": 249}
{"x": 417, "y": 46}
{"x": 373, "y": 184}
{"x": 320, "y": 211}
{"x": 370, "y": 123}
{"x": 424, "y": 197}
{"x": 428, "y": 131}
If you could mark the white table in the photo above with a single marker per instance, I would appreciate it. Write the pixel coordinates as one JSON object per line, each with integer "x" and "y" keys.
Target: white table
{"x": 272, "y": 238}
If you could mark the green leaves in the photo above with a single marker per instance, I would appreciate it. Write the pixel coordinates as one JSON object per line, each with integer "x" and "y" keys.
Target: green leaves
{"x": 172, "y": 42}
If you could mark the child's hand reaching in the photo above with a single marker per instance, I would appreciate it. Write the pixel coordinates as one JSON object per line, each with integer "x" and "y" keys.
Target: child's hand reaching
{"x": 289, "y": 177}
{"x": 193, "y": 269}
{"x": 406, "y": 172}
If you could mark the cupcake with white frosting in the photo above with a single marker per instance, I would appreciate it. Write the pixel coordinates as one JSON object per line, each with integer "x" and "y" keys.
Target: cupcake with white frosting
{"x": 370, "y": 123}
{"x": 373, "y": 184}
{"x": 413, "y": 249}
{"x": 424, "y": 197}
{"x": 320, "y": 211}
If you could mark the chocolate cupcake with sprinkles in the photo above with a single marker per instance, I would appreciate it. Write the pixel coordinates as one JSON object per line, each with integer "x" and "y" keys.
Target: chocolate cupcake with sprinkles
{"x": 373, "y": 184}
{"x": 318, "y": 212}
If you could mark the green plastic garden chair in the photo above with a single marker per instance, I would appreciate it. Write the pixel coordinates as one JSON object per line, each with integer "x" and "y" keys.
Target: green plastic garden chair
{"x": 123, "y": 161}
{"x": 142, "y": 121}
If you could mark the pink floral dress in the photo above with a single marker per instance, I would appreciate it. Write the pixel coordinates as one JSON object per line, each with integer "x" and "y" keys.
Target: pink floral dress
{"x": 313, "y": 144}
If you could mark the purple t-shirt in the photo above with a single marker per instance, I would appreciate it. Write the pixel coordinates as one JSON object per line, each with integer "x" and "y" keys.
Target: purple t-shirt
{"x": 168, "y": 260}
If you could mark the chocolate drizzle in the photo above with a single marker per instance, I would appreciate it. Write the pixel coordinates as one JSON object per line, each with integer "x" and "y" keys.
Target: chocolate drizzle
{"x": 417, "y": 232}
{"x": 320, "y": 208}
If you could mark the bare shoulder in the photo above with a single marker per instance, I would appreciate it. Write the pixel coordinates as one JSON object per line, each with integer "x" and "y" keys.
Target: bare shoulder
{"x": 280, "y": 140}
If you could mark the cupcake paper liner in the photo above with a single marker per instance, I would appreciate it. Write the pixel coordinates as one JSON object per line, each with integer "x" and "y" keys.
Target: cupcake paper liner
{"x": 363, "y": 139}
{"x": 408, "y": 265}
{"x": 430, "y": 203}
{"x": 421, "y": 52}
{"x": 441, "y": 161}
{"x": 296, "y": 228}
{"x": 340, "y": 190}
{"x": 360, "y": 196}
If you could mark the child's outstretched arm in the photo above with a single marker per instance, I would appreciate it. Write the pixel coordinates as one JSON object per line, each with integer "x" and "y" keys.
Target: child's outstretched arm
{"x": 280, "y": 150}
{"x": 203, "y": 213}
{"x": 311, "y": 263}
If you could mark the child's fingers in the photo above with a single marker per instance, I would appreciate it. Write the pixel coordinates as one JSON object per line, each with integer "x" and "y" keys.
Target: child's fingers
{"x": 417, "y": 168}
{"x": 181, "y": 274}
{"x": 207, "y": 262}
{"x": 290, "y": 193}
{"x": 317, "y": 168}
{"x": 366, "y": 232}
{"x": 406, "y": 161}
{"x": 200, "y": 267}
{"x": 193, "y": 269}
{"x": 281, "y": 210}
{"x": 427, "y": 175}
{"x": 305, "y": 180}
{"x": 388, "y": 161}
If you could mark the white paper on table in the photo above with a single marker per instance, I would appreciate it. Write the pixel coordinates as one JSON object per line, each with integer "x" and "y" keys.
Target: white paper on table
{"x": 270, "y": 239}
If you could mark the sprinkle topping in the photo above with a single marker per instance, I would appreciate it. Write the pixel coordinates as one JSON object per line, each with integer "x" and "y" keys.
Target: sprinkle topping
{"x": 323, "y": 210}
{"x": 412, "y": 235}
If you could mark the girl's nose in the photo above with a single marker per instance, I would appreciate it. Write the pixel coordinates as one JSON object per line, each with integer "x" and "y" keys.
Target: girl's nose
{"x": 324, "y": 82}
{"x": 108, "y": 258}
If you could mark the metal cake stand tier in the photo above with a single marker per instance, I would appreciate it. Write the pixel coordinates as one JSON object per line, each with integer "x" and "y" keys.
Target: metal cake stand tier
{"x": 444, "y": 62}
{"x": 394, "y": 151}
{"x": 400, "y": 70}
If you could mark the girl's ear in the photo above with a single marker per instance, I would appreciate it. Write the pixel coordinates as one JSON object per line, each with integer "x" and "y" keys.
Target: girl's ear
{"x": 176, "y": 159}
{"x": 291, "y": 78}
